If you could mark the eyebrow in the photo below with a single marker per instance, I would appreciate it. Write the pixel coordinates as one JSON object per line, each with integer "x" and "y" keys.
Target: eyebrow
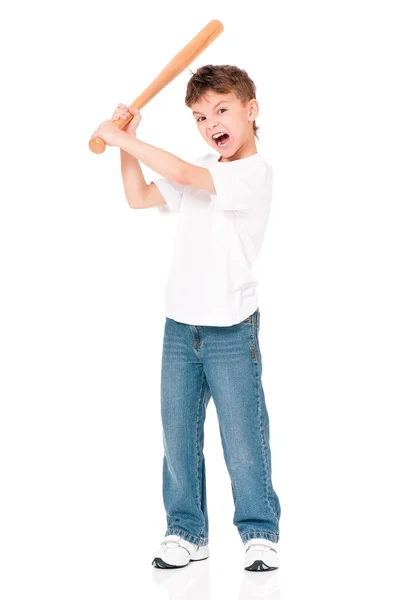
{"x": 198, "y": 113}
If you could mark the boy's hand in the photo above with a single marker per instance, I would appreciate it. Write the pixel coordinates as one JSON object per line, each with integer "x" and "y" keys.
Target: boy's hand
{"x": 110, "y": 133}
{"x": 122, "y": 112}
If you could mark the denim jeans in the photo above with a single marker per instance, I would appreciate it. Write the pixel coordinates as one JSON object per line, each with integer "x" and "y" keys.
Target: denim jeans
{"x": 200, "y": 361}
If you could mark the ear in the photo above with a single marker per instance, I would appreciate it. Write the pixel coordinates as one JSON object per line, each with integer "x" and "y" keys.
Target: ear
{"x": 253, "y": 109}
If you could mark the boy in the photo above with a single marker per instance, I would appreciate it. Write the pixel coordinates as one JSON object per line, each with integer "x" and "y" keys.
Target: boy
{"x": 211, "y": 345}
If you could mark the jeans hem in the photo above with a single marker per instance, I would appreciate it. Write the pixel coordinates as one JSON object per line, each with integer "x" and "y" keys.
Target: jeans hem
{"x": 193, "y": 539}
{"x": 266, "y": 535}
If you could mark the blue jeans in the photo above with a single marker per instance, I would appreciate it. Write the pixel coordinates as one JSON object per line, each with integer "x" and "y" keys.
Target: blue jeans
{"x": 200, "y": 361}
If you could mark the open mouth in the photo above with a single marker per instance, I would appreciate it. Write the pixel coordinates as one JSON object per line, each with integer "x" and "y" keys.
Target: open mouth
{"x": 222, "y": 140}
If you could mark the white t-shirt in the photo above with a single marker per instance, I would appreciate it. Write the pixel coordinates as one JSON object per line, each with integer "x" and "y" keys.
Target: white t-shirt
{"x": 218, "y": 238}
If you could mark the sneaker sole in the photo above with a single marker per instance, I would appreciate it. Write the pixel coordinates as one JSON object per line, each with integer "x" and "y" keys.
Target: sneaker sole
{"x": 161, "y": 564}
{"x": 259, "y": 565}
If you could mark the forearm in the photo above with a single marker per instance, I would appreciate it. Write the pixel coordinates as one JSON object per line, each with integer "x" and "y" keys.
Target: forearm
{"x": 135, "y": 186}
{"x": 166, "y": 164}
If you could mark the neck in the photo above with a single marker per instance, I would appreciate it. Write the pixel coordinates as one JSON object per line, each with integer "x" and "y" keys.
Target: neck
{"x": 248, "y": 148}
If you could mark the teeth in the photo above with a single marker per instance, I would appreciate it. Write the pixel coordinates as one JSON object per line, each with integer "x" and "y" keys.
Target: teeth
{"x": 216, "y": 135}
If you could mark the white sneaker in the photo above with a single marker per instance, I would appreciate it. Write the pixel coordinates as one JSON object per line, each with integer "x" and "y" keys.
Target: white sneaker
{"x": 261, "y": 555}
{"x": 176, "y": 552}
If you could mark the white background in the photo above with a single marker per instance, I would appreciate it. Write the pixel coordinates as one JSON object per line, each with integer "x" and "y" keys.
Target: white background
{"x": 82, "y": 283}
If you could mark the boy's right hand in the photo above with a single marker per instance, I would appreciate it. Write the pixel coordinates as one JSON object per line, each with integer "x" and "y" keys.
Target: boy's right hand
{"x": 122, "y": 112}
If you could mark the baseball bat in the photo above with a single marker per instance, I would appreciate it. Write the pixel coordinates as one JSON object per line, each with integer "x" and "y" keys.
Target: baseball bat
{"x": 176, "y": 66}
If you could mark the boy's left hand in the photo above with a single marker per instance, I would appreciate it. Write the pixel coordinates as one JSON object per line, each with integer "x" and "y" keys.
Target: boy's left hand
{"x": 110, "y": 133}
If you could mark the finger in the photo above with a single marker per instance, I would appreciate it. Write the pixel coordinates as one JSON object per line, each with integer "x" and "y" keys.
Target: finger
{"x": 121, "y": 114}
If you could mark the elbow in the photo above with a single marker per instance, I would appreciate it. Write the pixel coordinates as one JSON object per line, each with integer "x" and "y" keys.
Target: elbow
{"x": 134, "y": 200}
{"x": 135, "y": 203}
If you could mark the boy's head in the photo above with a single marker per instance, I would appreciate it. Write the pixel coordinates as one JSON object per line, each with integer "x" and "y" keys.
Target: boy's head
{"x": 235, "y": 116}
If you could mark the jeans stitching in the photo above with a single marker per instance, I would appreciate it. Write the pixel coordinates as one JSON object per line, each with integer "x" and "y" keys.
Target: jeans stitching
{"x": 205, "y": 399}
{"x": 260, "y": 425}
{"x": 200, "y": 402}
{"x": 196, "y": 445}
{"x": 264, "y": 453}
{"x": 250, "y": 534}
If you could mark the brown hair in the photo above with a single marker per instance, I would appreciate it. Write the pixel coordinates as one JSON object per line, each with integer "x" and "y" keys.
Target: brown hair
{"x": 222, "y": 79}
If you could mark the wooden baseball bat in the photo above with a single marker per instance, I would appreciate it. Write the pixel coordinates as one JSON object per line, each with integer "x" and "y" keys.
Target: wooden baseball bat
{"x": 176, "y": 66}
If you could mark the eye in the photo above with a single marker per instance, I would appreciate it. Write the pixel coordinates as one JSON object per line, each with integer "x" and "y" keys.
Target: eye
{"x": 198, "y": 120}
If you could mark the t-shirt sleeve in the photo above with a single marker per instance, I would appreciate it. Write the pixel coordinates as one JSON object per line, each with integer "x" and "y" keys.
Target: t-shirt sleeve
{"x": 240, "y": 184}
{"x": 172, "y": 193}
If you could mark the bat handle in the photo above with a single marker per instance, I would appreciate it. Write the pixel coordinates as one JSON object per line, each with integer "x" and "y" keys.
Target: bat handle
{"x": 98, "y": 145}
